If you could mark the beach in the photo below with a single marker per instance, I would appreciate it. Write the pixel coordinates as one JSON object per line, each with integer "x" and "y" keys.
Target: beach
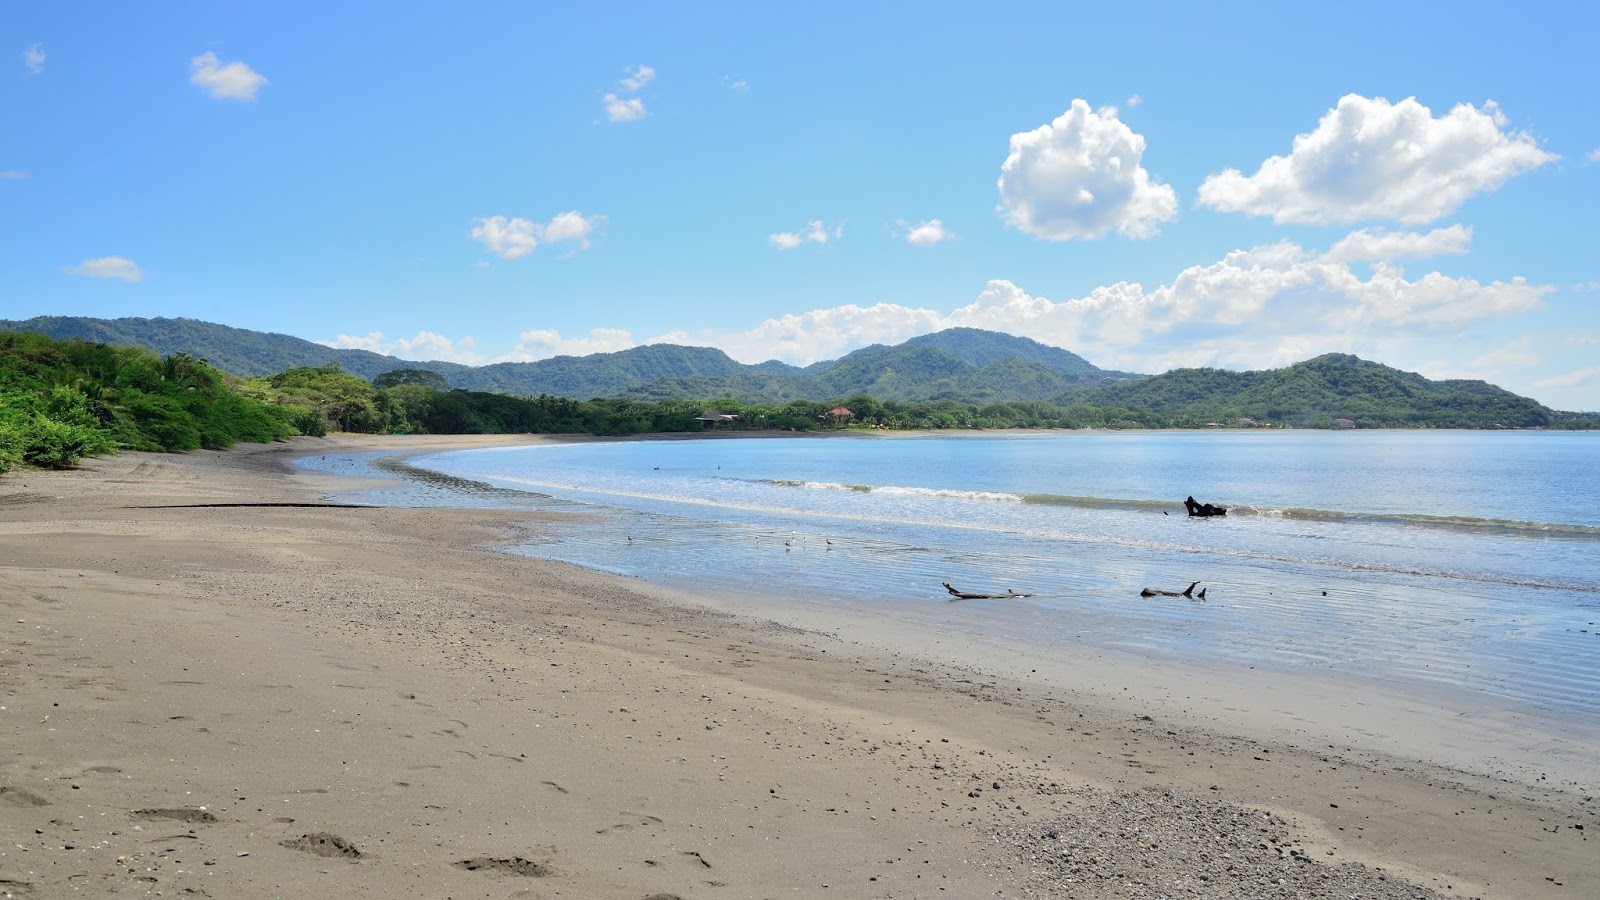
{"x": 206, "y": 694}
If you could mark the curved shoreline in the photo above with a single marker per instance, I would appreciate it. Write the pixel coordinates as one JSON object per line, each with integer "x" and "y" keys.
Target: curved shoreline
{"x": 1435, "y": 723}
{"x": 304, "y": 663}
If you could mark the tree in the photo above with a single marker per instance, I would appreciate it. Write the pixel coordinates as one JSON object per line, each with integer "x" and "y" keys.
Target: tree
{"x": 421, "y": 377}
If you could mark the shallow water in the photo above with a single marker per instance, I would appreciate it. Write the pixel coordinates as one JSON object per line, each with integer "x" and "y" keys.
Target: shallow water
{"x": 1461, "y": 559}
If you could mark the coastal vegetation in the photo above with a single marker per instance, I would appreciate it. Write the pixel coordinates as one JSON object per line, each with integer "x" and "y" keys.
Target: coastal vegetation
{"x": 61, "y": 400}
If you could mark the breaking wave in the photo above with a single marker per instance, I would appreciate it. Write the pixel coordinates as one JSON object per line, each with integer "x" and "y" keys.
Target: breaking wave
{"x": 1296, "y": 513}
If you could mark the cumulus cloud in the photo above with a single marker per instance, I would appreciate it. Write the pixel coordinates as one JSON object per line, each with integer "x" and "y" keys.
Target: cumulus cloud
{"x": 638, "y": 77}
{"x": 233, "y": 81}
{"x": 543, "y": 344}
{"x": 1369, "y": 158}
{"x": 623, "y": 109}
{"x": 118, "y": 267}
{"x": 1574, "y": 378}
{"x": 1593, "y": 155}
{"x": 1518, "y": 353}
{"x": 1079, "y": 176}
{"x": 1265, "y": 306}
{"x": 530, "y": 346}
{"x": 427, "y": 345}
{"x": 928, "y": 232}
{"x": 33, "y": 59}
{"x": 513, "y": 237}
{"x": 814, "y": 233}
{"x": 1377, "y": 244}
{"x": 1135, "y": 100}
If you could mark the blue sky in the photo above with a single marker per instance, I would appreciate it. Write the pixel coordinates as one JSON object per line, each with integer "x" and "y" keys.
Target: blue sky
{"x": 1151, "y": 186}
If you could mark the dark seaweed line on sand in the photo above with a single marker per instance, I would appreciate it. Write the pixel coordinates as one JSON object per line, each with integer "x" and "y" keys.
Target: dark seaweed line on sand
{"x": 222, "y": 505}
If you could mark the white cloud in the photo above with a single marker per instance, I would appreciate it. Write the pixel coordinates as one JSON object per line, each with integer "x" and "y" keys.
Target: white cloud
{"x": 1574, "y": 378}
{"x": 928, "y": 232}
{"x": 118, "y": 267}
{"x": 33, "y": 59}
{"x": 543, "y": 344}
{"x": 1369, "y": 158}
{"x": 425, "y": 346}
{"x": 1377, "y": 244}
{"x": 1080, "y": 177}
{"x": 1135, "y": 100}
{"x": 623, "y": 109}
{"x": 638, "y": 77}
{"x": 1518, "y": 353}
{"x": 1593, "y": 155}
{"x": 513, "y": 238}
{"x": 814, "y": 233}
{"x": 1266, "y": 306}
{"x": 507, "y": 238}
{"x": 1584, "y": 287}
{"x": 735, "y": 84}
{"x": 531, "y": 345}
{"x": 13, "y": 175}
{"x": 233, "y": 81}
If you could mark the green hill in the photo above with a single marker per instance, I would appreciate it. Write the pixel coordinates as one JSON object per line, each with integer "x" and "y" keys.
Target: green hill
{"x": 958, "y": 364}
{"x": 238, "y": 351}
{"x": 1317, "y": 392}
{"x": 963, "y": 366}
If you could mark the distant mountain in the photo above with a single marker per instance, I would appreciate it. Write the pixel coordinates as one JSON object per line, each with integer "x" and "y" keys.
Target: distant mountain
{"x": 1318, "y": 392}
{"x": 985, "y": 348}
{"x": 964, "y": 364}
{"x": 235, "y": 350}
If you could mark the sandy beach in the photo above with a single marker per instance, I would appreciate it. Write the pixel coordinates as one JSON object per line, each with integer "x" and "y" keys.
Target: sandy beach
{"x": 206, "y": 690}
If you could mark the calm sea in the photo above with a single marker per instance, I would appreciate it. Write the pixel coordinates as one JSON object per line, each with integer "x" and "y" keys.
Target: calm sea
{"x": 1450, "y": 558}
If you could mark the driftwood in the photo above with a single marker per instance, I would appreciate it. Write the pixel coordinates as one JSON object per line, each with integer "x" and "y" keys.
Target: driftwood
{"x": 964, "y": 595}
{"x": 1187, "y": 592}
{"x": 1203, "y": 510}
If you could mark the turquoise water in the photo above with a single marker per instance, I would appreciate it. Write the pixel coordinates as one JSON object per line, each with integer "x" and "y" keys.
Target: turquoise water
{"x": 1447, "y": 558}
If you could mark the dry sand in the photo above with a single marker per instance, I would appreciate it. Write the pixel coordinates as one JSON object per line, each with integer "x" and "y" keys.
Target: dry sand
{"x": 312, "y": 701}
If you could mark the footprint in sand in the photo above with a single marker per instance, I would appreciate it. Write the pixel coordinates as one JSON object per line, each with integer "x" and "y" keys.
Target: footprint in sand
{"x": 11, "y": 796}
{"x": 514, "y": 865}
{"x": 190, "y": 815}
{"x": 639, "y": 820}
{"x": 326, "y": 845}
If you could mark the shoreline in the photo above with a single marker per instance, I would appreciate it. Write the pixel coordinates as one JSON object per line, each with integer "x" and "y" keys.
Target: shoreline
{"x": 387, "y": 677}
{"x": 1434, "y": 723}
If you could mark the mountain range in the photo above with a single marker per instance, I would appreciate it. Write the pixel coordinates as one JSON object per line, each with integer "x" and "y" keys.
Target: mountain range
{"x": 964, "y": 365}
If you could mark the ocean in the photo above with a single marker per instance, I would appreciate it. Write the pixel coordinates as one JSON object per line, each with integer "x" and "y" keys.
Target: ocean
{"x": 1419, "y": 560}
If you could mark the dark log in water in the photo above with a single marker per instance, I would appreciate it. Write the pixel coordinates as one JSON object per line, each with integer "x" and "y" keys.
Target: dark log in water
{"x": 1187, "y": 592}
{"x": 964, "y": 595}
{"x": 1203, "y": 510}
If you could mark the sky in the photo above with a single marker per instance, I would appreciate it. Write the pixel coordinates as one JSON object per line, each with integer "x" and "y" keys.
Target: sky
{"x": 1151, "y": 186}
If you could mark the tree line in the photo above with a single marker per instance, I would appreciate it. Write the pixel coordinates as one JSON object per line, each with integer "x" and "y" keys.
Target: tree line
{"x": 63, "y": 400}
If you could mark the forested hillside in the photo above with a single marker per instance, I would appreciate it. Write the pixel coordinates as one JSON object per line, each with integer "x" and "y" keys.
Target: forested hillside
{"x": 1318, "y": 392}
{"x": 962, "y": 364}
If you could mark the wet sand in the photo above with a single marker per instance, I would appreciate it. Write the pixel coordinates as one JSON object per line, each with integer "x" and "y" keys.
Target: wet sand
{"x": 255, "y": 701}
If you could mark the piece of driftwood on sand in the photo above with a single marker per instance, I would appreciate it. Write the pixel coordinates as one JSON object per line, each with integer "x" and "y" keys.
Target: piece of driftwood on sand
{"x": 1187, "y": 592}
{"x": 1203, "y": 510}
{"x": 965, "y": 595}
